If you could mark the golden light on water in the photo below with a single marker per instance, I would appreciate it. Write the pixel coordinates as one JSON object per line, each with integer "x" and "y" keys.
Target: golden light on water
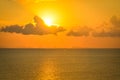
{"x": 48, "y": 71}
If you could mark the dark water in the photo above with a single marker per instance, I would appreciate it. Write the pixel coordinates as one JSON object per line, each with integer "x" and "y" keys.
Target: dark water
{"x": 59, "y": 64}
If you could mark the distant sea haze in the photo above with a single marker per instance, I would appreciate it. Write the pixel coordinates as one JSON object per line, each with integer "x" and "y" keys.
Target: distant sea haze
{"x": 59, "y": 64}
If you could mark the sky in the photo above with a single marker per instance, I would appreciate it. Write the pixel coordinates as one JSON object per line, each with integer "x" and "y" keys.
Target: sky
{"x": 60, "y": 24}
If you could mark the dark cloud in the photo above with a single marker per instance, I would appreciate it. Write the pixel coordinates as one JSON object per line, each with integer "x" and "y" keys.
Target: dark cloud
{"x": 40, "y": 28}
{"x": 112, "y": 30}
{"x": 12, "y": 28}
{"x": 80, "y": 31}
{"x": 112, "y": 33}
{"x": 115, "y": 21}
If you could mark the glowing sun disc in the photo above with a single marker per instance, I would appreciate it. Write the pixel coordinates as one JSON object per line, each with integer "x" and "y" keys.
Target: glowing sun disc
{"x": 48, "y": 22}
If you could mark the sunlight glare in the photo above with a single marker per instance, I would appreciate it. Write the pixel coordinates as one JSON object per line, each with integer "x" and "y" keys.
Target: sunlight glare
{"x": 48, "y": 21}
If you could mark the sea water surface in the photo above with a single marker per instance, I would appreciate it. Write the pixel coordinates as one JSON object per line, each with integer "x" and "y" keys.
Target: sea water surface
{"x": 59, "y": 64}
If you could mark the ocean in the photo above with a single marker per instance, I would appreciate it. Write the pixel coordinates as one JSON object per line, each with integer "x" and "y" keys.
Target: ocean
{"x": 59, "y": 64}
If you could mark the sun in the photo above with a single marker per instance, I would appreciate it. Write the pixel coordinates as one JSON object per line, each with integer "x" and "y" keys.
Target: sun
{"x": 48, "y": 21}
{"x": 50, "y": 18}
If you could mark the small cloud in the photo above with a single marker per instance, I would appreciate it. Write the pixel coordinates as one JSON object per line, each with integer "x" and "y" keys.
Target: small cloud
{"x": 12, "y": 28}
{"x": 111, "y": 31}
{"x": 80, "y": 31}
{"x": 115, "y": 21}
{"x": 30, "y": 29}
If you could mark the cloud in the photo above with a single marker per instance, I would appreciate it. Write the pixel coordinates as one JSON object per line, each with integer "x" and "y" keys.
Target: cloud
{"x": 115, "y": 21}
{"x": 80, "y": 31}
{"x": 13, "y": 28}
{"x": 111, "y": 31}
{"x": 40, "y": 28}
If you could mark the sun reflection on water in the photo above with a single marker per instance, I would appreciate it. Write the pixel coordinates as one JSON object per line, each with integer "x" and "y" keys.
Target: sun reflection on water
{"x": 49, "y": 71}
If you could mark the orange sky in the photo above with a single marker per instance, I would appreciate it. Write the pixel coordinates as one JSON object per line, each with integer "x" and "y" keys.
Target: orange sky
{"x": 51, "y": 41}
{"x": 70, "y": 14}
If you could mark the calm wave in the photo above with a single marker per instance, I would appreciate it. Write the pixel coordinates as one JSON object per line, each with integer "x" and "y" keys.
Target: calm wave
{"x": 59, "y": 64}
